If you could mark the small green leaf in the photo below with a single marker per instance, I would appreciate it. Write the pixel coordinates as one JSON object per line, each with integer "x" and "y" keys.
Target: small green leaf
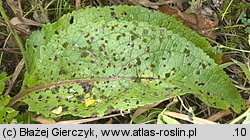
{"x": 11, "y": 113}
{"x": 57, "y": 110}
{"x": 241, "y": 65}
{"x": 5, "y": 100}
{"x": 144, "y": 119}
{"x": 244, "y": 68}
{"x": 159, "y": 121}
{"x": 3, "y": 79}
{"x": 169, "y": 120}
{"x": 7, "y": 114}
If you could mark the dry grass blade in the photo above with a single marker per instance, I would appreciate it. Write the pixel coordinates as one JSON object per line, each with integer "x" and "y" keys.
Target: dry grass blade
{"x": 44, "y": 121}
{"x": 16, "y": 28}
{"x": 195, "y": 120}
{"x": 10, "y": 50}
{"x": 25, "y": 21}
{"x": 88, "y": 120}
{"x": 15, "y": 75}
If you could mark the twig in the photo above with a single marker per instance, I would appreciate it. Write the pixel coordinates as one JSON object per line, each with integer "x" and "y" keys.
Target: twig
{"x": 15, "y": 75}
{"x": 16, "y": 28}
{"x": 219, "y": 115}
{"x": 10, "y": 50}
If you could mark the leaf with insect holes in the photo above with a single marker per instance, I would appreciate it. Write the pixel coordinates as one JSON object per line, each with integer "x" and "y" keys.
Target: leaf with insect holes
{"x": 87, "y": 16}
{"x": 118, "y": 65}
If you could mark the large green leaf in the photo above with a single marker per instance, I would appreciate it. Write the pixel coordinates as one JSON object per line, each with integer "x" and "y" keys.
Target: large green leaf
{"x": 91, "y": 69}
{"x": 86, "y": 16}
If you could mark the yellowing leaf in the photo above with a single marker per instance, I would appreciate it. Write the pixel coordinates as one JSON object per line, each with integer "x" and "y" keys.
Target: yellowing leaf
{"x": 89, "y": 102}
{"x": 169, "y": 120}
{"x": 57, "y": 110}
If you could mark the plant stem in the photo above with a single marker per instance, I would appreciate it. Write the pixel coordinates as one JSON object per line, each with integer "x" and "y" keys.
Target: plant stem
{"x": 225, "y": 12}
{"x": 225, "y": 47}
{"x": 13, "y": 31}
{"x": 241, "y": 116}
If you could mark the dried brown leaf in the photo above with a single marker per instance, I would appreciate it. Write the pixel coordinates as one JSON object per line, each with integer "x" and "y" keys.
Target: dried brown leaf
{"x": 42, "y": 120}
{"x": 15, "y": 8}
{"x": 194, "y": 21}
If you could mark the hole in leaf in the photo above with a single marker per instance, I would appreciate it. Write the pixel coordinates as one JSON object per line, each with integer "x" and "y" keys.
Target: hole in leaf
{"x": 197, "y": 72}
{"x": 187, "y": 52}
{"x": 71, "y": 20}
{"x": 201, "y": 84}
{"x": 138, "y": 61}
